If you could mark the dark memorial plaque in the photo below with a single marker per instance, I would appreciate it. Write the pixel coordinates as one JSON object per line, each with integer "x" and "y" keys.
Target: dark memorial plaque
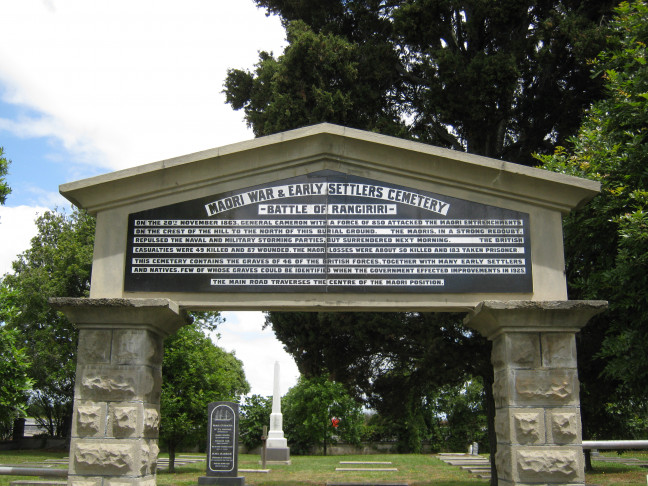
{"x": 329, "y": 232}
{"x": 222, "y": 444}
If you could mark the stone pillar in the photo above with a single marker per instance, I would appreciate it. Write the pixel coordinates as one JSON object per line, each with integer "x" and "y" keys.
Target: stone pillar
{"x": 536, "y": 388}
{"x": 117, "y": 389}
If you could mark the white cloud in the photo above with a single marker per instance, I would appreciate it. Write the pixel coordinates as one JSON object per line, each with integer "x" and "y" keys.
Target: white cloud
{"x": 120, "y": 83}
{"x": 123, "y": 83}
{"x": 258, "y": 350}
{"x": 17, "y": 228}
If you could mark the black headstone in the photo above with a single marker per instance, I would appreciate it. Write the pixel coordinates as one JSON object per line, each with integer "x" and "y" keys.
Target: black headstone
{"x": 222, "y": 445}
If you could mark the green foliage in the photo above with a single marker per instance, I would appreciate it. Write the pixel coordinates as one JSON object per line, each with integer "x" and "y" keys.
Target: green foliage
{"x": 394, "y": 361}
{"x": 255, "y": 414}
{"x": 14, "y": 383}
{"x": 501, "y": 79}
{"x": 606, "y": 242}
{"x": 58, "y": 264}
{"x": 318, "y": 78}
{"x": 195, "y": 372}
{"x": 459, "y": 418}
{"x": 308, "y": 409}
{"x": 5, "y": 190}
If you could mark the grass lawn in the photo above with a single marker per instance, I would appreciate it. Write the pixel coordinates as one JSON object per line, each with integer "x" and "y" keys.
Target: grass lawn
{"x": 317, "y": 470}
{"x": 413, "y": 469}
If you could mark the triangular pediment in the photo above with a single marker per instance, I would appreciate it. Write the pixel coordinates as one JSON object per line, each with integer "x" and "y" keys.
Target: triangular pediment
{"x": 321, "y": 147}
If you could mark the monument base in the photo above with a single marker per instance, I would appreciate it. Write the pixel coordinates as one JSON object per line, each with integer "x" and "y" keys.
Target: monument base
{"x": 222, "y": 481}
{"x": 278, "y": 455}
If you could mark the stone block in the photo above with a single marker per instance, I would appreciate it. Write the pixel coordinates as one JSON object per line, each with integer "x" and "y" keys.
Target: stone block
{"x": 94, "y": 346}
{"x": 146, "y": 481}
{"x": 84, "y": 481}
{"x": 118, "y": 383}
{"x": 89, "y": 419}
{"x": 502, "y": 389}
{"x": 151, "y": 423}
{"x": 503, "y": 462}
{"x": 114, "y": 457}
{"x": 516, "y": 350}
{"x": 136, "y": 346}
{"x": 558, "y": 350}
{"x": 503, "y": 426}
{"x": 565, "y": 426}
{"x": 105, "y": 458}
{"x": 545, "y": 387}
{"x": 502, "y": 482}
{"x": 278, "y": 454}
{"x": 544, "y": 465}
{"x": 528, "y": 427}
{"x": 521, "y": 426}
{"x": 125, "y": 420}
{"x": 148, "y": 457}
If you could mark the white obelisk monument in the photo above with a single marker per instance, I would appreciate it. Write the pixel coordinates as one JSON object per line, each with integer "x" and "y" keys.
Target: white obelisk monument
{"x": 277, "y": 446}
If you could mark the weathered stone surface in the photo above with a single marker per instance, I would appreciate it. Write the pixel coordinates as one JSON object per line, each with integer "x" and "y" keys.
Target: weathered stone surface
{"x": 551, "y": 387}
{"x": 147, "y": 481}
{"x": 151, "y": 422}
{"x": 548, "y": 465}
{"x": 103, "y": 458}
{"x": 148, "y": 458}
{"x": 90, "y": 420}
{"x": 504, "y": 463}
{"x": 565, "y": 426}
{"x": 502, "y": 389}
{"x": 528, "y": 427}
{"x": 160, "y": 315}
{"x": 502, "y": 425}
{"x": 493, "y": 317}
{"x": 517, "y": 350}
{"x": 84, "y": 481}
{"x": 135, "y": 346}
{"x": 558, "y": 350}
{"x": 124, "y": 421}
{"x": 503, "y": 482}
{"x": 94, "y": 346}
{"x": 119, "y": 383}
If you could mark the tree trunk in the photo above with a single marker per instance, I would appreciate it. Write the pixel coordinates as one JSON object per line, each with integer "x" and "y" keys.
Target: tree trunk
{"x": 172, "y": 451}
{"x": 588, "y": 461}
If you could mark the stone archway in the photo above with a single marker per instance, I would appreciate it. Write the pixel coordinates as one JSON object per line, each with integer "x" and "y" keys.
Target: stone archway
{"x": 328, "y": 218}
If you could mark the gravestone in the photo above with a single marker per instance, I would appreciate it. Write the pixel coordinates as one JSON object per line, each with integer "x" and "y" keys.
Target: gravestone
{"x": 222, "y": 445}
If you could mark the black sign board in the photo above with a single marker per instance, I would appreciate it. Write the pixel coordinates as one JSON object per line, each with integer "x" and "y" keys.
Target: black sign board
{"x": 222, "y": 439}
{"x": 329, "y": 232}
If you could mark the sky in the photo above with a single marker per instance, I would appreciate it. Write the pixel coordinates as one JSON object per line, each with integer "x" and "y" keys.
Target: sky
{"x": 90, "y": 87}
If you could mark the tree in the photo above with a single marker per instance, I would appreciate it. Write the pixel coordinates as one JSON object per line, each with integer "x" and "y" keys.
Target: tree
{"x": 460, "y": 415}
{"x": 58, "y": 263}
{"x": 14, "y": 383}
{"x": 5, "y": 190}
{"x": 502, "y": 80}
{"x": 195, "y": 372}
{"x": 392, "y": 361}
{"x": 606, "y": 242}
{"x": 255, "y": 414}
{"x": 309, "y": 409}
